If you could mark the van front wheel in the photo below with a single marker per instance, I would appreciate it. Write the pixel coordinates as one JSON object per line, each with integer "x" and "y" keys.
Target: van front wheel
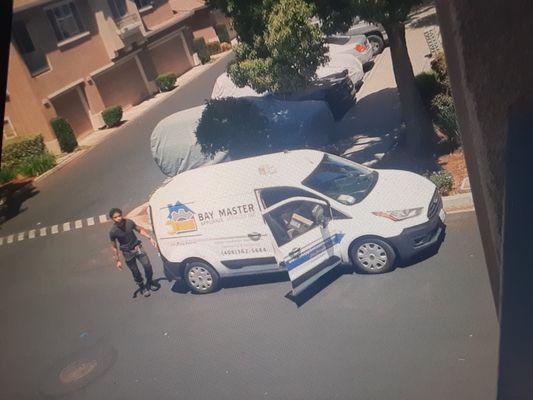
{"x": 372, "y": 256}
{"x": 201, "y": 277}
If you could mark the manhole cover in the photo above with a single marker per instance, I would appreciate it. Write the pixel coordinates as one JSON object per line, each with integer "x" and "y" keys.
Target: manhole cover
{"x": 76, "y": 371}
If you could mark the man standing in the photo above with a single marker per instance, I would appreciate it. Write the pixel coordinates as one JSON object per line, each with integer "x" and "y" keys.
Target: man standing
{"x": 123, "y": 232}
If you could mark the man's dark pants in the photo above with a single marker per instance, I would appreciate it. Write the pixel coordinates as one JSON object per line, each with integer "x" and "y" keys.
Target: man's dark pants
{"x": 148, "y": 273}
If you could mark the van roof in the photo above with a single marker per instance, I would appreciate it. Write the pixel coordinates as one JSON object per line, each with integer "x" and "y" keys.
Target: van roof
{"x": 239, "y": 176}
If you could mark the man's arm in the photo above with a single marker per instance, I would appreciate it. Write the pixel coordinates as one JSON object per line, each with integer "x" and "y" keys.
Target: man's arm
{"x": 145, "y": 233}
{"x": 115, "y": 254}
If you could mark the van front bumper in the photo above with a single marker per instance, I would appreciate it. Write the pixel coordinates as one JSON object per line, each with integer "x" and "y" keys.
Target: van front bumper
{"x": 418, "y": 238}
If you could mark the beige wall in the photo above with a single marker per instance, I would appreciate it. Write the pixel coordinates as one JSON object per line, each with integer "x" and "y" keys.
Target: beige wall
{"x": 170, "y": 56}
{"x": 159, "y": 14}
{"x": 70, "y": 107}
{"x": 209, "y": 34}
{"x": 122, "y": 85}
{"x": 23, "y": 106}
{"x": 68, "y": 63}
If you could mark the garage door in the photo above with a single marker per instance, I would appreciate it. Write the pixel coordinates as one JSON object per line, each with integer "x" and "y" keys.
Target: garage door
{"x": 170, "y": 56}
{"x": 122, "y": 85}
{"x": 69, "y": 106}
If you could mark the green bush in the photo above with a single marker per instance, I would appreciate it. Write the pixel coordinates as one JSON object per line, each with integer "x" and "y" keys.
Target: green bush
{"x": 231, "y": 124}
{"x": 166, "y": 82}
{"x": 64, "y": 134}
{"x": 213, "y": 48}
{"x": 37, "y": 165}
{"x": 112, "y": 116}
{"x": 222, "y": 33}
{"x": 7, "y": 175}
{"x": 16, "y": 151}
{"x": 428, "y": 86}
{"x": 443, "y": 180}
{"x": 225, "y": 46}
{"x": 443, "y": 108}
{"x": 201, "y": 49}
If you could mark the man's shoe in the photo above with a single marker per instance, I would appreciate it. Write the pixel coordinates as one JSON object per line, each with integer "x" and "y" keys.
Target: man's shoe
{"x": 146, "y": 292}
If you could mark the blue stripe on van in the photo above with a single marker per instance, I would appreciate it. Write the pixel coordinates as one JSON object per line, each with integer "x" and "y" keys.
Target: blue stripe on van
{"x": 315, "y": 251}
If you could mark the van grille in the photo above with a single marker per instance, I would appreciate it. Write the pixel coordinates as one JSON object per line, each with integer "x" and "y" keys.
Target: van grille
{"x": 435, "y": 205}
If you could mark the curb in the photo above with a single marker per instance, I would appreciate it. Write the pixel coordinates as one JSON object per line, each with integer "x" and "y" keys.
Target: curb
{"x": 463, "y": 201}
{"x": 62, "y": 164}
{"x": 79, "y": 153}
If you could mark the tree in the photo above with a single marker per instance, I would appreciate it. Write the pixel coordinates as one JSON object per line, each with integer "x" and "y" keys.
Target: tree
{"x": 283, "y": 49}
{"x": 337, "y": 16}
{"x": 251, "y": 22}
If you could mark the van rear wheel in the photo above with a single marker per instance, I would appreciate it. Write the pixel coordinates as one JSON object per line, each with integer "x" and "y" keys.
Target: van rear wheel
{"x": 201, "y": 277}
{"x": 372, "y": 256}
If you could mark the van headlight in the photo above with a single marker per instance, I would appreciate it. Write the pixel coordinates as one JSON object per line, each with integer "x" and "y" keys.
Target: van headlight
{"x": 400, "y": 215}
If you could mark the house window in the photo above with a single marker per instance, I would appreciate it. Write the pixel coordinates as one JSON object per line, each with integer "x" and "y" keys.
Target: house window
{"x": 65, "y": 20}
{"x": 8, "y": 130}
{"x": 143, "y": 4}
{"x": 118, "y": 8}
{"x": 35, "y": 59}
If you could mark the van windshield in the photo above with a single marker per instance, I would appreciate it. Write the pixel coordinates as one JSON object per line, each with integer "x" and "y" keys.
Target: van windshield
{"x": 342, "y": 180}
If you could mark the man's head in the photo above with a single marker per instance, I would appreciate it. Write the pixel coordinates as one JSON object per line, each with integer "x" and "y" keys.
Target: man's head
{"x": 116, "y": 215}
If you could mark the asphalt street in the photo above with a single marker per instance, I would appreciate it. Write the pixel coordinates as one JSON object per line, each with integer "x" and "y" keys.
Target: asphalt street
{"x": 71, "y": 329}
{"x": 119, "y": 172}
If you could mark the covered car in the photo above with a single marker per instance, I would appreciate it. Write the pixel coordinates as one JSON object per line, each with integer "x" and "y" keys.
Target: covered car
{"x": 291, "y": 125}
{"x": 334, "y": 86}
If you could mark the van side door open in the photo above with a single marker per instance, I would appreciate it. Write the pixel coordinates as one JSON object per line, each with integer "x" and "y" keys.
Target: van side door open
{"x": 307, "y": 243}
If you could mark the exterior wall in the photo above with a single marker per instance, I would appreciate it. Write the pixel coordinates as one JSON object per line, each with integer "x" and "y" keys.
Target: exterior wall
{"x": 23, "y": 107}
{"x": 160, "y": 13}
{"x": 122, "y": 85}
{"x": 86, "y": 54}
{"x": 69, "y": 106}
{"x": 209, "y": 34}
{"x": 171, "y": 56}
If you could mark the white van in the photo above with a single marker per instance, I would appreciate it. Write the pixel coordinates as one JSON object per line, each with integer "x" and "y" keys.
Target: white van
{"x": 302, "y": 211}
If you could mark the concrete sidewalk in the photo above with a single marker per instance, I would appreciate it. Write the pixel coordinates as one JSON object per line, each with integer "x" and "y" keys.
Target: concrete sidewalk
{"x": 371, "y": 127}
{"x": 90, "y": 140}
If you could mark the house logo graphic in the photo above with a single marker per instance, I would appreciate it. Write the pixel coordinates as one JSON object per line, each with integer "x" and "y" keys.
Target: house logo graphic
{"x": 180, "y": 219}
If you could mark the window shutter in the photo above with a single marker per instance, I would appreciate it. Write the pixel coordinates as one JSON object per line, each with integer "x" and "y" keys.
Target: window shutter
{"x": 53, "y": 22}
{"x": 76, "y": 16}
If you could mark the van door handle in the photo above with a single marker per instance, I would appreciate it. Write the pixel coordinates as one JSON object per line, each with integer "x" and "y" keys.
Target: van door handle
{"x": 295, "y": 252}
{"x": 255, "y": 236}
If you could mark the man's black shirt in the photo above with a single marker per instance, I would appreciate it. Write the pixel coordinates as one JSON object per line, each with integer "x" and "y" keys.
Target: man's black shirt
{"x": 125, "y": 235}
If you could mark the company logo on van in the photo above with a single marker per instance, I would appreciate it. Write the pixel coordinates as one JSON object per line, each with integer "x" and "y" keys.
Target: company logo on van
{"x": 181, "y": 219}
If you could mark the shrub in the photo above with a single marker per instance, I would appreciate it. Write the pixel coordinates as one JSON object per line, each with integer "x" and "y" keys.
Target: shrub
{"x": 438, "y": 65}
{"x": 64, "y": 134}
{"x": 112, "y": 116}
{"x": 37, "y": 165}
{"x": 428, "y": 86}
{"x": 7, "y": 175}
{"x": 15, "y": 151}
{"x": 225, "y": 46}
{"x": 166, "y": 82}
{"x": 443, "y": 180}
{"x": 443, "y": 108}
{"x": 222, "y": 33}
{"x": 231, "y": 124}
{"x": 213, "y": 48}
{"x": 201, "y": 48}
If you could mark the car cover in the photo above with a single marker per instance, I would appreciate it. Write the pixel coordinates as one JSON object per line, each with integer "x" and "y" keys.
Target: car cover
{"x": 291, "y": 125}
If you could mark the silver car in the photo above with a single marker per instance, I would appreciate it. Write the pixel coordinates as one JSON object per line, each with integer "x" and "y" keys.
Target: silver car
{"x": 374, "y": 32}
{"x": 358, "y": 46}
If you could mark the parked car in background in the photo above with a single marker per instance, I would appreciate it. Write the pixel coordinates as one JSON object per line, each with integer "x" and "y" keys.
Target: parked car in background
{"x": 358, "y": 46}
{"x": 339, "y": 62}
{"x": 374, "y": 32}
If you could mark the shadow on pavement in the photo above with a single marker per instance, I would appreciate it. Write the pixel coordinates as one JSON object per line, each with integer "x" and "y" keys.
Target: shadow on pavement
{"x": 156, "y": 285}
{"x": 428, "y": 20}
{"x": 13, "y": 195}
{"x": 319, "y": 285}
